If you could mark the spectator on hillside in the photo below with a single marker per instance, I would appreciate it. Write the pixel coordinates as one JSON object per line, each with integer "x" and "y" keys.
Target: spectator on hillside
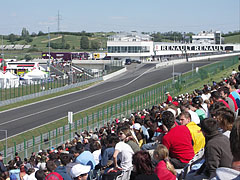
{"x": 139, "y": 134}
{"x": 95, "y": 148}
{"x": 195, "y": 130}
{"x": 142, "y": 167}
{"x": 13, "y": 169}
{"x": 217, "y": 151}
{"x": 164, "y": 168}
{"x": 180, "y": 149}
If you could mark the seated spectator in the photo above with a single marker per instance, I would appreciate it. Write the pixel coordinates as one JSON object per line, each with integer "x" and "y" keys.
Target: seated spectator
{"x": 234, "y": 171}
{"x": 40, "y": 175}
{"x": 225, "y": 94}
{"x": 225, "y": 118}
{"x": 169, "y": 98}
{"x": 217, "y": 151}
{"x": 125, "y": 151}
{"x": 195, "y": 130}
{"x": 95, "y": 148}
{"x": 139, "y": 134}
{"x": 164, "y": 168}
{"x": 197, "y": 107}
{"x": 13, "y": 169}
{"x": 80, "y": 172}
{"x": 84, "y": 157}
{"x": 61, "y": 169}
{"x": 127, "y": 137}
{"x": 142, "y": 167}
{"x": 178, "y": 141}
{"x": 216, "y": 97}
{"x": 3, "y": 168}
{"x": 194, "y": 116}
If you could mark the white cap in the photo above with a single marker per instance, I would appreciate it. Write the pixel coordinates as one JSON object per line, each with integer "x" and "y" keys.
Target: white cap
{"x": 79, "y": 169}
{"x": 136, "y": 126}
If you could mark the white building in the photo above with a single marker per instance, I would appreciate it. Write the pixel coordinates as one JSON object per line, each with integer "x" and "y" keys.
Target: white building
{"x": 207, "y": 38}
{"x": 130, "y": 45}
{"x": 139, "y": 46}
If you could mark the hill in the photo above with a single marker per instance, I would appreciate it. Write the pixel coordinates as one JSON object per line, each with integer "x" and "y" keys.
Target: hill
{"x": 232, "y": 39}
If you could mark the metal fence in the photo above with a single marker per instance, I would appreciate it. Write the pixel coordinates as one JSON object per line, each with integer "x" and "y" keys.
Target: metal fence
{"x": 120, "y": 108}
{"x": 10, "y": 90}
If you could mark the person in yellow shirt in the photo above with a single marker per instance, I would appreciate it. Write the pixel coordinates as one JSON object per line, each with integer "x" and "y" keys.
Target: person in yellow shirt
{"x": 195, "y": 130}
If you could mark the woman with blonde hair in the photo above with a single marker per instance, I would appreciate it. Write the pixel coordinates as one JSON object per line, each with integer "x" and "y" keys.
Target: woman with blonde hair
{"x": 164, "y": 168}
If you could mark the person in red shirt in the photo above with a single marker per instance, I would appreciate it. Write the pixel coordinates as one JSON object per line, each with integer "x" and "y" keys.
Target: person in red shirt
{"x": 169, "y": 98}
{"x": 164, "y": 168}
{"x": 215, "y": 95}
{"x": 178, "y": 141}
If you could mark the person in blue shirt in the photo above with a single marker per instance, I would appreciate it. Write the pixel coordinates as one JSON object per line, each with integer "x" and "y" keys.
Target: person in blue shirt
{"x": 83, "y": 157}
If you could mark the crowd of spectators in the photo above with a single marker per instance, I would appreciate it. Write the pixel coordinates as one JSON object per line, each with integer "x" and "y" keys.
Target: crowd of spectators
{"x": 200, "y": 130}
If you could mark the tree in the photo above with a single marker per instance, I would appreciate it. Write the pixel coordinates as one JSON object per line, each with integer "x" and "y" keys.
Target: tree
{"x": 40, "y": 33}
{"x": 12, "y": 38}
{"x": 95, "y": 44}
{"x": 25, "y": 33}
{"x": 84, "y": 42}
{"x": 27, "y": 57}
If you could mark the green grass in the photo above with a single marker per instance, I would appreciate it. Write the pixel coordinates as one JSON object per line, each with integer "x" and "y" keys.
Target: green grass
{"x": 232, "y": 39}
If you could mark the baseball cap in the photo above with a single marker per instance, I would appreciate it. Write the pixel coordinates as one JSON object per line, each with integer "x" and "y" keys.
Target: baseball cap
{"x": 136, "y": 126}
{"x": 79, "y": 169}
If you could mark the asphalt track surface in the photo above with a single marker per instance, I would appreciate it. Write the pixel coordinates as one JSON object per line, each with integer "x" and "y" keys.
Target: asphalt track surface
{"x": 138, "y": 76}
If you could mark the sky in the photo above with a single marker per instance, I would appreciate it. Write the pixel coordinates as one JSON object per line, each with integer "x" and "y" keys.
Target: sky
{"x": 122, "y": 15}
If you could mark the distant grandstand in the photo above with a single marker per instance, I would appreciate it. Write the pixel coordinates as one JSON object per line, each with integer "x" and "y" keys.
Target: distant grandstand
{"x": 14, "y": 47}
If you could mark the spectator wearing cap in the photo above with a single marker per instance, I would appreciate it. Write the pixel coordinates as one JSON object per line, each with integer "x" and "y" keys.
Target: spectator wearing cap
{"x": 197, "y": 107}
{"x": 84, "y": 157}
{"x": 80, "y": 172}
{"x": 217, "y": 151}
{"x": 178, "y": 141}
{"x": 61, "y": 169}
{"x": 195, "y": 130}
{"x": 169, "y": 98}
{"x": 139, "y": 134}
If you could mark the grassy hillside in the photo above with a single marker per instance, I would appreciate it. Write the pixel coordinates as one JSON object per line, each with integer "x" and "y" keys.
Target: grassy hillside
{"x": 232, "y": 39}
{"x": 39, "y": 44}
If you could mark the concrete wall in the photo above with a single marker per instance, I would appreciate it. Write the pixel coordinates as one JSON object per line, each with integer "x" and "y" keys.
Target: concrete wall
{"x": 178, "y": 61}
